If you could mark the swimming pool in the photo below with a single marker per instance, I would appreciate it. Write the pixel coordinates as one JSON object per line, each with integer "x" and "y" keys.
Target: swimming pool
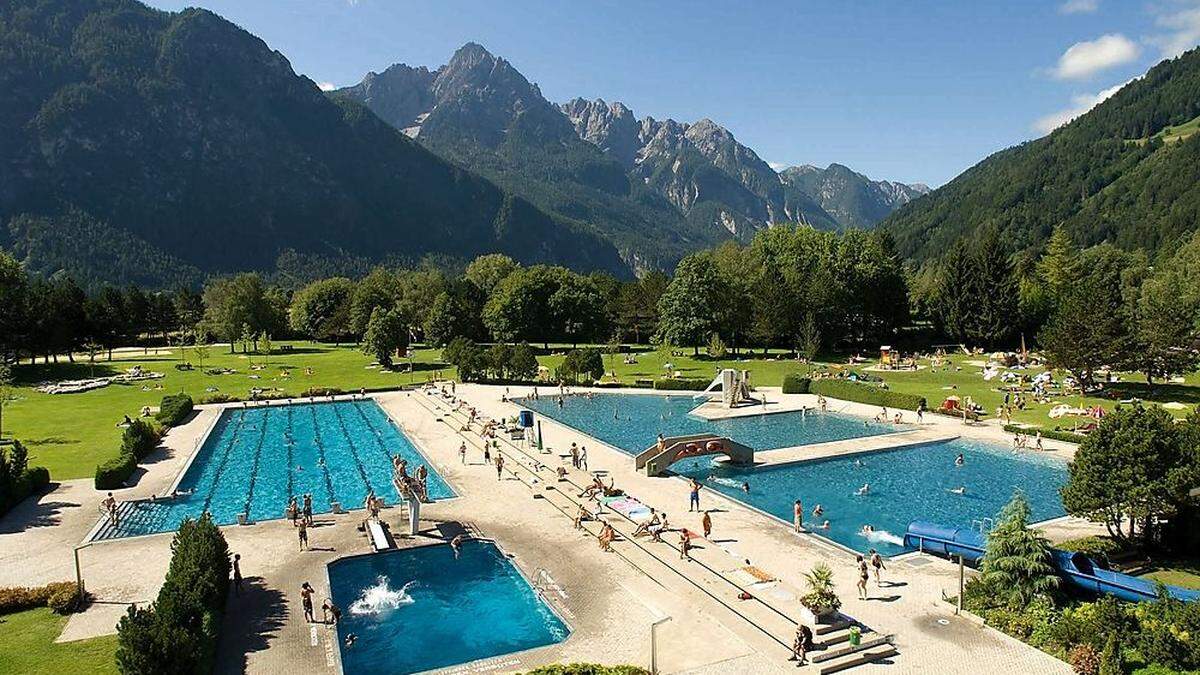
{"x": 907, "y": 484}
{"x": 420, "y": 609}
{"x": 631, "y": 422}
{"x": 254, "y": 459}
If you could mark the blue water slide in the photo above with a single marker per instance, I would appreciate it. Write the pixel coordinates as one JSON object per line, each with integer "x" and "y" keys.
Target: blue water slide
{"x": 1076, "y": 568}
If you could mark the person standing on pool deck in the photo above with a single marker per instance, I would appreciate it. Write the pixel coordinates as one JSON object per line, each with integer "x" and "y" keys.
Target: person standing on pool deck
{"x": 308, "y": 508}
{"x": 487, "y": 453}
{"x": 706, "y": 524}
{"x": 877, "y": 563}
{"x": 306, "y": 593}
{"x": 293, "y": 510}
{"x": 499, "y": 467}
{"x": 798, "y": 515}
{"x": 574, "y": 456}
{"x": 462, "y": 452}
{"x": 583, "y": 457}
{"x": 302, "y": 533}
{"x": 237, "y": 574}
{"x": 693, "y": 496}
{"x": 862, "y": 578}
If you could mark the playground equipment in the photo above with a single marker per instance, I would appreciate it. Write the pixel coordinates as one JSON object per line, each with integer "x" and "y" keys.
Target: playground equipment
{"x": 735, "y": 387}
{"x": 659, "y": 456}
{"x": 1077, "y": 569}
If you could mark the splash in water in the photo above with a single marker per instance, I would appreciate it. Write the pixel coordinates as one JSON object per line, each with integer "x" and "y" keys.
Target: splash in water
{"x": 381, "y": 598}
{"x": 877, "y": 536}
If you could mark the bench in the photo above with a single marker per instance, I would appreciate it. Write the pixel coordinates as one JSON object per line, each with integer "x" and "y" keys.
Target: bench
{"x": 379, "y": 538}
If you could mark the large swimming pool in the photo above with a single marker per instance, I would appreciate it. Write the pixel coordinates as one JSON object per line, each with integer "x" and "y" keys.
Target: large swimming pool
{"x": 420, "y": 609}
{"x": 912, "y": 483}
{"x": 632, "y": 422}
{"x": 255, "y": 459}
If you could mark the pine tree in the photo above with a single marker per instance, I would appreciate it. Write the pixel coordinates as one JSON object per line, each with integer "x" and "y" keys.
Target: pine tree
{"x": 1059, "y": 267}
{"x": 1017, "y": 561}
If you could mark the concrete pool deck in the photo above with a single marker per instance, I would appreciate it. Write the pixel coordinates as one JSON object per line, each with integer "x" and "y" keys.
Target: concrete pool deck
{"x": 611, "y": 598}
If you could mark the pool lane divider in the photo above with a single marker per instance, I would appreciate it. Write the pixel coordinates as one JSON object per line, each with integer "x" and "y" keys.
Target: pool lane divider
{"x": 312, "y": 411}
{"x": 262, "y": 436}
{"x": 375, "y": 432}
{"x": 290, "y": 440}
{"x": 362, "y": 472}
{"x": 224, "y": 461}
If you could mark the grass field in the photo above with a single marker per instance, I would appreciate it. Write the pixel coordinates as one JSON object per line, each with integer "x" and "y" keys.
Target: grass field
{"x": 71, "y": 433}
{"x": 27, "y": 646}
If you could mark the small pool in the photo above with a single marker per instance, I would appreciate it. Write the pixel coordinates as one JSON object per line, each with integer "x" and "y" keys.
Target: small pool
{"x": 420, "y": 609}
{"x": 255, "y": 459}
{"x": 907, "y": 484}
{"x": 631, "y": 422}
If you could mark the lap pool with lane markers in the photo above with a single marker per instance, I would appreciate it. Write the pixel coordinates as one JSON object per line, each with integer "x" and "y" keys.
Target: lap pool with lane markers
{"x": 255, "y": 459}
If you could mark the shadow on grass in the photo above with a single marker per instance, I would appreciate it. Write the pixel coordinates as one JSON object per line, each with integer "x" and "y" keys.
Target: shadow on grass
{"x": 253, "y": 618}
{"x": 44, "y": 372}
{"x": 1159, "y": 393}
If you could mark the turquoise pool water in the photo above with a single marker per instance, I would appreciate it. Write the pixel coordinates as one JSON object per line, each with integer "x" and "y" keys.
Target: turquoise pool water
{"x": 908, "y": 484}
{"x": 420, "y": 609}
{"x": 632, "y": 422}
{"x": 254, "y": 459}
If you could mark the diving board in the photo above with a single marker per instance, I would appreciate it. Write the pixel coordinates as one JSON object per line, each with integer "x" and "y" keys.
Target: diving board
{"x": 378, "y": 536}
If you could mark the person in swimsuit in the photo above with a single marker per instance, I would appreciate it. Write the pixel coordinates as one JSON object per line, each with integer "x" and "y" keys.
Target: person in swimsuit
{"x": 798, "y": 516}
{"x": 693, "y": 495}
{"x": 306, "y": 593}
{"x": 862, "y": 578}
{"x": 877, "y": 564}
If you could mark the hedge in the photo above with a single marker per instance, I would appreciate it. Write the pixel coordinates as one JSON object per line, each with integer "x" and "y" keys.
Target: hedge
{"x": 139, "y": 439}
{"x": 681, "y": 384}
{"x": 178, "y": 633}
{"x": 174, "y": 409}
{"x": 795, "y": 383}
{"x": 1096, "y": 547}
{"x": 18, "y": 480}
{"x": 587, "y": 669}
{"x": 61, "y": 597}
{"x": 112, "y": 474}
{"x": 848, "y": 390}
{"x": 1068, "y": 436}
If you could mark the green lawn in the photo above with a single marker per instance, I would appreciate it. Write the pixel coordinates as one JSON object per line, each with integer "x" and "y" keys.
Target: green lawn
{"x": 27, "y": 646}
{"x": 71, "y": 433}
{"x": 1177, "y": 573}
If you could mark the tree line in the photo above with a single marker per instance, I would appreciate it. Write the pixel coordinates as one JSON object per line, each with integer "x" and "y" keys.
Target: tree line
{"x": 790, "y": 287}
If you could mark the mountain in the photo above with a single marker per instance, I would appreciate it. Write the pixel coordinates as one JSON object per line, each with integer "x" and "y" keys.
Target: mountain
{"x": 850, "y": 197}
{"x": 189, "y": 146}
{"x": 657, "y": 189}
{"x": 1126, "y": 172}
{"x": 700, "y": 168}
{"x": 480, "y": 112}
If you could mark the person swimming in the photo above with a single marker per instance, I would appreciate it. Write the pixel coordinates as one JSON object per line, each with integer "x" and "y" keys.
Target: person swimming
{"x": 960, "y": 460}
{"x": 960, "y": 490}
{"x": 818, "y": 511}
{"x": 824, "y": 526}
{"x": 746, "y": 487}
{"x": 865, "y": 489}
{"x": 866, "y": 530}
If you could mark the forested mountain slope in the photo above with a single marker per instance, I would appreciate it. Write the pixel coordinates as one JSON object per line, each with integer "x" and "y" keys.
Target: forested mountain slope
{"x": 1104, "y": 176}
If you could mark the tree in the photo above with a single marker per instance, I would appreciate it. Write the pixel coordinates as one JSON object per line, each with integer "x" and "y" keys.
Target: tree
{"x": 1165, "y": 330}
{"x": 499, "y": 356}
{"x": 455, "y": 312}
{"x": 689, "y": 310}
{"x": 266, "y": 345}
{"x": 378, "y": 289}
{"x": 468, "y": 357}
{"x": 13, "y": 288}
{"x": 1087, "y": 330}
{"x": 1136, "y": 468}
{"x": 1059, "y": 267}
{"x": 6, "y": 391}
{"x": 106, "y": 318}
{"x": 233, "y": 303}
{"x": 322, "y": 310}
{"x": 523, "y": 364}
{"x": 487, "y": 271}
{"x": 810, "y": 338}
{"x": 189, "y": 308}
{"x": 386, "y": 333}
{"x": 583, "y": 362}
{"x": 993, "y": 291}
{"x": 519, "y": 307}
{"x": 577, "y": 309}
{"x": 1016, "y": 564}
{"x": 200, "y": 348}
{"x": 1111, "y": 662}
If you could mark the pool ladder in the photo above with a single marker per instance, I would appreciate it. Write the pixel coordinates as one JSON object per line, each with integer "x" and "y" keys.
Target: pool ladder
{"x": 982, "y": 525}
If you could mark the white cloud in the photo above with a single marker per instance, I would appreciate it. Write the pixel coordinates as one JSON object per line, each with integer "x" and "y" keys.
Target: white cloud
{"x": 1080, "y": 103}
{"x": 1181, "y": 24}
{"x": 1089, "y": 57}
{"x": 327, "y": 86}
{"x": 1079, "y": 6}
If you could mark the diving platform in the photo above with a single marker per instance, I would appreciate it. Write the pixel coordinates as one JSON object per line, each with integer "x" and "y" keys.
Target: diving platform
{"x": 658, "y": 457}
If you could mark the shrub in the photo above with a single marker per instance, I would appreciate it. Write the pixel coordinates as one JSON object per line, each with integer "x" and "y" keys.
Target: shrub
{"x": 585, "y": 363}
{"x": 18, "y": 480}
{"x": 220, "y": 397}
{"x": 522, "y": 364}
{"x": 320, "y": 391}
{"x": 588, "y": 669}
{"x": 680, "y": 384}
{"x": 795, "y": 383}
{"x": 20, "y": 598}
{"x": 1095, "y": 547}
{"x": 858, "y": 392}
{"x": 1084, "y": 659}
{"x": 139, "y": 439}
{"x": 1068, "y": 436}
{"x": 179, "y": 632}
{"x": 174, "y": 409}
{"x": 37, "y": 477}
{"x": 112, "y": 474}
{"x": 65, "y": 600}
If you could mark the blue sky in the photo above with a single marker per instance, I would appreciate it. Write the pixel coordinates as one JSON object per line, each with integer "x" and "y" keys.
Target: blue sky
{"x": 911, "y": 91}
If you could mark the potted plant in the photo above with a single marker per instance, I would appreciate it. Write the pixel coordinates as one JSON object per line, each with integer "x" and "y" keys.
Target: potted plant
{"x": 821, "y": 602}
